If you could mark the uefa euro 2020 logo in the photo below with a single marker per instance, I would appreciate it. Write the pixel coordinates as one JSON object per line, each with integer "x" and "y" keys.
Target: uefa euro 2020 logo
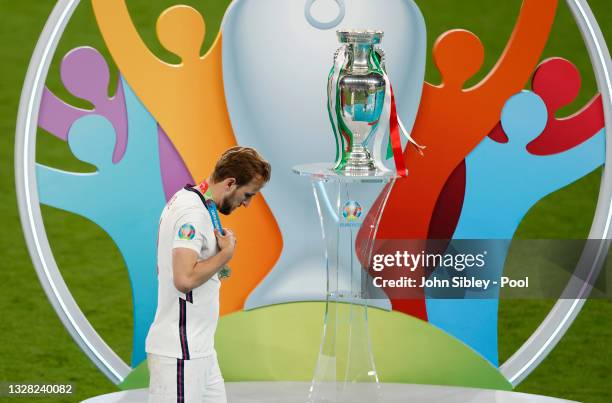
{"x": 351, "y": 211}
{"x": 153, "y": 132}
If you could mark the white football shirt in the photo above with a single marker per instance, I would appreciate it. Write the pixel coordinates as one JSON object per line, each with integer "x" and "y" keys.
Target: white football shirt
{"x": 184, "y": 325}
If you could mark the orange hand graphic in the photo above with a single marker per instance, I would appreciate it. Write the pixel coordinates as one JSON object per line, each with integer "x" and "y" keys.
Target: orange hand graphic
{"x": 188, "y": 101}
{"x": 452, "y": 120}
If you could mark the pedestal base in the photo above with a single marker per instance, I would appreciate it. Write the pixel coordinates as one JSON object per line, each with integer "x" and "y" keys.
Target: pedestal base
{"x": 349, "y": 207}
{"x": 296, "y": 392}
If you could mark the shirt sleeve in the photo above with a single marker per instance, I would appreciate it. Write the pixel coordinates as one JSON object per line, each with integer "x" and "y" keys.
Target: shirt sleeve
{"x": 189, "y": 232}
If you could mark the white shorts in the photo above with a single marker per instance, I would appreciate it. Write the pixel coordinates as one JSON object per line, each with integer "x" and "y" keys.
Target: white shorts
{"x": 185, "y": 381}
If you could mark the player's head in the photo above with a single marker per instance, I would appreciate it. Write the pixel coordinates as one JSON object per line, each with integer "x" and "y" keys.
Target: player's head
{"x": 241, "y": 172}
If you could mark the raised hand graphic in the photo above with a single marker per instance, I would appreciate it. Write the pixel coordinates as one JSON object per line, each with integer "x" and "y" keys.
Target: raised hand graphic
{"x": 86, "y": 75}
{"x": 503, "y": 182}
{"x": 187, "y": 99}
{"x": 452, "y": 120}
{"x": 125, "y": 199}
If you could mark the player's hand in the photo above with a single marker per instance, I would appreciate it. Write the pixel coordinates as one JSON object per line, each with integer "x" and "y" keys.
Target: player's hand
{"x": 227, "y": 242}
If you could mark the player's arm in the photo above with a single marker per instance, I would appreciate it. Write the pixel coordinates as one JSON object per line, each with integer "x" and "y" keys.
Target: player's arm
{"x": 188, "y": 273}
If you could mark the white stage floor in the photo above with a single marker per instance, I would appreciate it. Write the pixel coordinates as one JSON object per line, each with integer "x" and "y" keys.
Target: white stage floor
{"x": 297, "y": 392}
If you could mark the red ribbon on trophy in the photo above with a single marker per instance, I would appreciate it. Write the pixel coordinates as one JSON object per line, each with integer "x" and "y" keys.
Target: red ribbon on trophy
{"x": 396, "y": 143}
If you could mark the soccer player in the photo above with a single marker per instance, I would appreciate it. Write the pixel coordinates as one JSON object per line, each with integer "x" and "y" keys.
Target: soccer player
{"x": 192, "y": 254}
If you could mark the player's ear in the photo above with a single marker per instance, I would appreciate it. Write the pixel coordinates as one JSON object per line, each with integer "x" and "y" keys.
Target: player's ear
{"x": 230, "y": 183}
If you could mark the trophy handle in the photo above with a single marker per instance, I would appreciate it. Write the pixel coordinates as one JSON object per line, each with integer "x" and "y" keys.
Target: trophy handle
{"x": 381, "y": 54}
{"x": 337, "y": 52}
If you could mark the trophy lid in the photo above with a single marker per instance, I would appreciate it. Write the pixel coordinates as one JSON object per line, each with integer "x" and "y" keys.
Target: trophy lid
{"x": 360, "y": 36}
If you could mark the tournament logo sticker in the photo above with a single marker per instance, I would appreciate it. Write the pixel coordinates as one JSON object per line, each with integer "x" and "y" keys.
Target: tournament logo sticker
{"x": 187, "y": 232}
{"x": 351, "y": 211}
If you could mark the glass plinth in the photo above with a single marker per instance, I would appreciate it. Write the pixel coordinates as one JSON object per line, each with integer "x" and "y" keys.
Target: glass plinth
{"x": 349, "y": 208}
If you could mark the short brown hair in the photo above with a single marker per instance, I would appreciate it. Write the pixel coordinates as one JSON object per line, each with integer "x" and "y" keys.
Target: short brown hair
{"x": 242, "y": 163}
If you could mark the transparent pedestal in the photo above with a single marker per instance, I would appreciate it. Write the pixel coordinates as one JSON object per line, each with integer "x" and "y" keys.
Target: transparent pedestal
{"x": 347, "y": 206}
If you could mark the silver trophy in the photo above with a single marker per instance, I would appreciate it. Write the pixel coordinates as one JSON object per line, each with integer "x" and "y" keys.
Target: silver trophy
{"x": 356, "y": 88}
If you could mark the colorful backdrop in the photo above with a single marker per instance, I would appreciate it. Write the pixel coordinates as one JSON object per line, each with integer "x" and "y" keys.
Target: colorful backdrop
{"x": 89, "y": 256}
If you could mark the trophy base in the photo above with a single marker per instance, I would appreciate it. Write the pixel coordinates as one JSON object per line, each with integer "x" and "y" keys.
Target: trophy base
{"x": 359, "y": 163}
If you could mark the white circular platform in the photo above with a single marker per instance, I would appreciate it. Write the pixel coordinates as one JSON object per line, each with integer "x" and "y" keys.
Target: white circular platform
{"x": 297, "y": 392}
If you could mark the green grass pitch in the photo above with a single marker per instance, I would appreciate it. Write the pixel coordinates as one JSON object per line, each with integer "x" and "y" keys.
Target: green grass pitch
{"x": 36, "y": 348}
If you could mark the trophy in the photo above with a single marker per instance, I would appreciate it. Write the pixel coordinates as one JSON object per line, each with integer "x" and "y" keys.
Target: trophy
{"x": 358, "y": 101}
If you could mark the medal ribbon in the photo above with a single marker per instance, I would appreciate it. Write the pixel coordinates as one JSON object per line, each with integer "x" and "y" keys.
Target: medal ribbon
{"x": 211, "y": 207}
